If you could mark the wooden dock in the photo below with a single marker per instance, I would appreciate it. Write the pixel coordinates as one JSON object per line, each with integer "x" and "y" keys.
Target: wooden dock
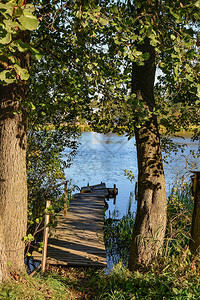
{"x": 79, "y": 240}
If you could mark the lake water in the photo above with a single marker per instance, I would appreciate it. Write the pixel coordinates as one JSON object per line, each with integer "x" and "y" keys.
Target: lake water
{"x": 104, "y": 157}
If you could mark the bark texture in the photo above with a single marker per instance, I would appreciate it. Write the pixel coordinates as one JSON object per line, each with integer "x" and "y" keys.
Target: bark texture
{"x": 13, "y": 187}
{"x": 195, "y": 227}
{"x": 150, "y": 222}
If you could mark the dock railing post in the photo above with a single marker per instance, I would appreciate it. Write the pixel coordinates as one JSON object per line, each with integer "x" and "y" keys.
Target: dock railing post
{"x": 195, "y": 227}
{"x": 66, "y": 198}
{"x": 114, "y": 194}
{"x": 45, "y": 237}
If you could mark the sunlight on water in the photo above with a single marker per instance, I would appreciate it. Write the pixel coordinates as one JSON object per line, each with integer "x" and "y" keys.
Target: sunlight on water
{"x": 104, "y": 157}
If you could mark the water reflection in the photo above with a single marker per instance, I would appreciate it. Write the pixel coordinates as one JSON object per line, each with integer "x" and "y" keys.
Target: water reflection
{"x": 104, "y": 157}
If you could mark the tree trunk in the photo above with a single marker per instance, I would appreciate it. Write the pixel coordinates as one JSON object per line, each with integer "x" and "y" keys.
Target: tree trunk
{"x": 150, "y": 222}
{"x": 195, "y": 227}
{"x": 13, "y": 187}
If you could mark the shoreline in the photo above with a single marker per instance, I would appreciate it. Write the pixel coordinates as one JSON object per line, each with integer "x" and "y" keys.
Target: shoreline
{"x": 87, "y": 128}
{"x": 182, "y": 133}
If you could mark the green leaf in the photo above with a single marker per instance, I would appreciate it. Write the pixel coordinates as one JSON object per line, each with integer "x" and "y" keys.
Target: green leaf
{"x": 23, "y": 73}
{"x": 32, "y": 108}
{"x": 176, "y": 49}
{"x": 103, "y": 21}
{"x": 7, "y": 76}
{"x": 11, "y": 26}
{"x": 145, "y": 56}
{"x": 36, "y": 53}
{"x": 3, "y": 6}
{"x": 172, "y": 36}
{"x": 7, "y": 8}
{"x": 5, "y": 294}
{"x": 189, "y": 77}
{"x": 30, "y": 237}
{"x": 29, "y": 22}
{"x": 29, "y": 10}
{"x": 198, "y": 91}
{"x": 197, "y": 4}
{"x": 19, "y": 2}
{"x": 17, "y": 12}
{"x": 20, "y": 46}
{"x": 5, "y": 37}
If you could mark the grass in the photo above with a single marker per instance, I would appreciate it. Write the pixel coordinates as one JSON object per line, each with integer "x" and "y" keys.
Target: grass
{"x": 121, "y": 284}
{"x": 39, "y": 287}
{"x": 118, "y": 236}
{"x": 174, "y": 275}
{"x": 57, "y": 283}
{"x": 182, "y": 282}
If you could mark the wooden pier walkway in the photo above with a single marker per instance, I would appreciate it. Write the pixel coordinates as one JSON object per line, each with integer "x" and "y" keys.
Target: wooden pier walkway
{"x": 79, "y": 240}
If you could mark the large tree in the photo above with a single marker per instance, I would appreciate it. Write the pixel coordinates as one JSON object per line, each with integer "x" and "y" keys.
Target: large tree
{"x": 150, "y": 221}
{"x": 169, "y": 38}
{"x": 16, "y": 21}
{"x": 131, "y": 40}
{"x": 56, "y": 95}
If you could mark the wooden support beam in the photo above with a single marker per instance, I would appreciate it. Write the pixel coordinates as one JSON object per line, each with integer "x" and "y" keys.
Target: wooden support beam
{"x": 45, "y": 236}
{"x": 66, "y": 199}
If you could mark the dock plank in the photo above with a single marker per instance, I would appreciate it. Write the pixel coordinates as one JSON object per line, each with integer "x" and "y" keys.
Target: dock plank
{"x": 78, "y": 239}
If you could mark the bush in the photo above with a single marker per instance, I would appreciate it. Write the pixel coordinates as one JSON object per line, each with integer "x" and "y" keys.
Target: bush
{"x": 45, "y": 170}
{"x": 174, "y": 275}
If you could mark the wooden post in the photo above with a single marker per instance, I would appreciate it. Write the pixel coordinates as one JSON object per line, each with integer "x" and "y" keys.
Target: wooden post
{"x": 115, "y": 190}
{"x": 195, "y": 227}
{"x": 65, "y": 204}
{"x": 45, "y": 237}
{"x": 114, "y": 194}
